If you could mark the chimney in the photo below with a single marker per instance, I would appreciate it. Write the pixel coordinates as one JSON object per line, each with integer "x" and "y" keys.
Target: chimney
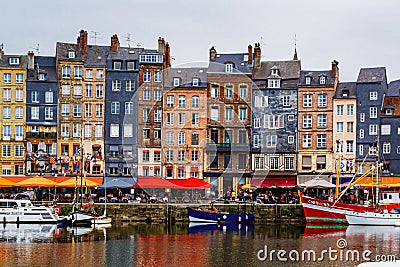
{"x": 1, "y": 51}
{"x": 167, "y": 56}
{"x": 335, "y": 69}
{"x": 250, "y": 57}
{"x": 257, "y": 55}
{"x": 82, "y": 42}
{"x": 213, "y": 52}
{"x": 161, "y": 45}
{"x": 114, "y": 43}
{"x": 31, "y": 60}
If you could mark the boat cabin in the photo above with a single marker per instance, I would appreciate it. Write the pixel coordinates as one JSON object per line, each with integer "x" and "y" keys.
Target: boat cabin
{"x": 389, "y": 197}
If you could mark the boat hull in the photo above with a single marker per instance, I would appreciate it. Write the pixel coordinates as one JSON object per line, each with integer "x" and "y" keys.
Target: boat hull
{"x": 373, "y": 218}
{"x": 215, "y": 217}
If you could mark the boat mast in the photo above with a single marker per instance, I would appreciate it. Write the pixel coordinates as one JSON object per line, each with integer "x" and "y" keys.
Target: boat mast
{"x": 377, "y": 172}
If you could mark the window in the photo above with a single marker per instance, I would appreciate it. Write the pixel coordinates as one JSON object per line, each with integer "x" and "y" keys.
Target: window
{"x": 229, "y": 91}
{"x": 170, "y": 138}
{"x": 64, "y": 129}
{"x": 116, "y": 85}
{"x": 307, "y": 101}
{"x": 170, "y": 101}
{"x": 157, "y": 133}
{"x": 361, "y": 150}
{"x": 398, "y": 149}
{"x": 6, "y": 132}
{"x": 115, "y": 107}
{"x": 339, "y": 110}
{"x": 88, "y": 110}
{"x": 99, "y": 91}
{"x": 7, "y": 77}
{"x": 65, "y": 109}
{"x": 66, "y": 71}
{"x": 181, "y": 138}
{"x": 256, "y": 140}
{"x": 181, "y": 119}
{"x": 243, "y": 91}
{"x": 146, "y": 155}
{"x": 19, "y": 151}
{"x": 130, "y": 65}
{"x": 181, "y": 101}
{"x": 274, "y": 163}
{"x": 306, "y": 140}
{"x": 77, "y": 130}
{"x": 99, "y": 74}
{"x": 242, "y": 162}
{"x": 19, "y": 78}
{"x": 322, "y": 100}
{"x": 290, "y": 139}
{"x": 385, "y": 129}
{"x": 307, "y": 121}
{"x": 34, "y": 94}
{"x": 362, "y": 117}
{"x": 128, "y": 107}
{"x": 19, "y": 112}
{"x": 169, "y": 155}
{"x": 289, "y": 163}
{"x": 321, "y": 162}
{"x": 195, "y": 82}
{"x": 271, "y": 140}
{"x": 88, "y": 130}
{"x": 48, "y": 113}
{"x": 146, "y": 133}
{"x": 286, "y": 100}
{"x": 146, "y": 76}
{"x": 243, "y": 114}
{"x": 350, "y": 126}
{"x": 157, "y": 156}
{"x": 195, "y": 101}
{"x": 6, "y": 152}
{"x": 89, "y": 73}
{"x": 157, "y": 76}
{"x": 373, "y": 129}
{"x": 214, "y": 113}
{"x": 157, "y": 115}
{"x": 322, "y": 80}
{"x": 13, "y": 61}
{"x": 35, "y": 113}
{"x": 48, "y": 97}
{"x": 308, "y": 80}
{"x": 195, "y": 138}
{"x": 349, "y": 146}
{"x": 388, "y": 111}
{"x": 6, "y": 112}
{"x": 78, "y": 72}
{"x": 228, "y": 67}
{"x": 77, "y": 91}
{"x": 274, "y": 83}
{"x": 176, "y": 82}
{"x": 227, "y": 161}
{"x": 228, "y": 113}
{"x": 71, "y": 54}
{"x": 195, "y": 119}
{"x": 146, "y": 95}
{"x": 373, "y": 112}
{"x": 361, "y": 133}
{"x": 259, "y": 163}
{"x": 117, "y": 65}
{"x": 214, "y": 91}
{"x": 339, "y": 127}
{"x": 350, "y": 110}
{"x": 170, "y": 118}
{"x": 129, "y": 85}
{"x": 99, "y": 110}
{"x": 114, "y": 130}
{"x": 181, "y": 155}
{"x": 7, "y": 94}
{"x": 256, "y": 123}
{"x": 321, "y": 141}
{"x": 273, "y": 121}
{"x": 19, "y": 94}
{"x": 261, "y": 101}
{"x": 146, "y": 115}
{"x": 195, "y": 155}
{"x": 157, "y": 95}
{"x": 372, "y": 150}
{"x": 373, "y": 95}
{"x": 321, "y": 121}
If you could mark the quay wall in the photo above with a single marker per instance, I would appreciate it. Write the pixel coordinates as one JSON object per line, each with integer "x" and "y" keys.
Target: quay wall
{"x": 172, "y": 213}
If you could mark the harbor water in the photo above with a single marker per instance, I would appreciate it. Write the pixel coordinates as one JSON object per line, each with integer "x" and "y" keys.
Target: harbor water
{"x": 144, "y": 244}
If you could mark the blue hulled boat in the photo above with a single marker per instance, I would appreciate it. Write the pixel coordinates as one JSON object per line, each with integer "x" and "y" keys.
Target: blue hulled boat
{"x": 213, "y": 216}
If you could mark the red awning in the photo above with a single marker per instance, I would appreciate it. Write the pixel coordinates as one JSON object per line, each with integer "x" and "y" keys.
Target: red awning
{"x": 268, "y": 182}
{"x": 152, "y": 182}
{"x": 190, "y": 183}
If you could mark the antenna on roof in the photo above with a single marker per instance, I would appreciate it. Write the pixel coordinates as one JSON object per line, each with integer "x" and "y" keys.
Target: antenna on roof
{"x": 139, "y": 45}
{"x": 295, "y": 57}
{"x": 261, "y": 46}
{"x": 36, "y": 48}
{"x": 95, "y": 36}
{"x": 128, "y": 39}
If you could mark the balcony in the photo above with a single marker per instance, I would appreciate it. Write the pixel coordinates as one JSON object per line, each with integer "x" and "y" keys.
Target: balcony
{"x": 227, "y": 147}
{"x": 41, "y": 135}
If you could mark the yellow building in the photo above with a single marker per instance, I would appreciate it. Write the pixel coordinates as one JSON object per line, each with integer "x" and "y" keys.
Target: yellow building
{"x": 12, "y": 113}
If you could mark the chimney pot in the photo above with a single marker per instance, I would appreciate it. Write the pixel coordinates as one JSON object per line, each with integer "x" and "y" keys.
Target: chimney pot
{"x": 114, "y": 43}
{"x": 335, "y": 69}
{"x": 250, "y": 56}
{"x": 213, "y": 52}
{"x": 31, "y": 60}
{"x": 257, "y": 55}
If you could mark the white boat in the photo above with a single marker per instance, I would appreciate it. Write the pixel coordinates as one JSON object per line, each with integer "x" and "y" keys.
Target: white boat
{"x": 26, "y": 233}
{"x": 101, "y": 220}
{"x": 373, "y": 218}
{"x": 23, "y": 211}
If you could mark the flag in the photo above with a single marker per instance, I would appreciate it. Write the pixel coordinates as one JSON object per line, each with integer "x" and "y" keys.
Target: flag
{"x": 52, "y": 160}
{"x": 64, "y": 172}
{"x": 67, "y": 159}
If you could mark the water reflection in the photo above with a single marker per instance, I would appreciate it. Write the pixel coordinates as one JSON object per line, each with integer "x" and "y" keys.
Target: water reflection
{"x": 182, "y": 244}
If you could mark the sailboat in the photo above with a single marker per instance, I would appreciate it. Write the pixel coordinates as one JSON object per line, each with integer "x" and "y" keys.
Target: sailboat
{"x": 103, "y": 219}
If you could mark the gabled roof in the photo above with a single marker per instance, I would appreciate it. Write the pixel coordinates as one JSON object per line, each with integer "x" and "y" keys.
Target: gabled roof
{"x": 239, "y": 60}
{"x": 315, "y": 75}
{"x": 186, "y": 76}
{"x": 97, "y": 55}
{"x": 23, "y": 61}
{"x": 346, "y": 90}
{"x": 62, "y": 50}
{"x": 372, "y": 75}
{"x": 394, "y": 88}
{"x": 289, "y": 69}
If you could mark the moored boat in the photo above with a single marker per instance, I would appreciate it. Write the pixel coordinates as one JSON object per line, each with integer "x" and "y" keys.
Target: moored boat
{"x": 23, "y": 211}
{"x": 373, "y": 218}
{"x": 214, "y": 216}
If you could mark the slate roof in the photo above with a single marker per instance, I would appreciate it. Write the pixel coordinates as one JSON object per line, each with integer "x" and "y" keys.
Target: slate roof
{"x": 368, "y": 75}
{"x": 393, "y": 101}
{"x": 349, "y": 87}
{"x": 239, "y": 60}
{"x": 186, "y": 75}
{"x": 125, "y": 53}
{"x": 47, "y": 66}
{"x": 62, "y": 50}
{"x": 394, "y": 88}
{"x": 23, "y": 61}
{"x": 289, "y": 69}
{"x": 97, "y": 55}
{"x": 315, "y": 74}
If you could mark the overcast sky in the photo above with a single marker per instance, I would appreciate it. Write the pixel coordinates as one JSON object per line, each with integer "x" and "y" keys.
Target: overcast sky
{"x": 357, "y": 33}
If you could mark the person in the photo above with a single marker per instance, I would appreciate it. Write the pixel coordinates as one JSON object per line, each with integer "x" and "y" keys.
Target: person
{"x": 185, "y": 197}
{"x": 233, "y": 195}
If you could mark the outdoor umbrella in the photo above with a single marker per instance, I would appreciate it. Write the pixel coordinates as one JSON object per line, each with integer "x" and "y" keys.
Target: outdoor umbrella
{"x": 6, "y": 183}
{"x": 115, "y": 183}
{"x": 35, "y": 182}
{"x": 72, "y": 183}
{"x": 317, "y": 183}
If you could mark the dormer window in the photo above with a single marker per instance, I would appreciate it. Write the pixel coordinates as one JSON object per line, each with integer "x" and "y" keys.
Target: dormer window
{"x": 195, "y": 82}
{"x": 71, "y": 54}
{"x": 388, "y": 111}
{"x": 308, "y": 80}
{"x": 274, "y": 70}
{"x": 228, "y": 67}
{"x": 176, "y": 82}
{"x": 274, "y": 83}
{"x": 41, "y": 77}
{"x": 322, "y": 80}
{"x": 117, "y": 65}
{"x": 13, "y": 61}
{"x": 345, "y": 93}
